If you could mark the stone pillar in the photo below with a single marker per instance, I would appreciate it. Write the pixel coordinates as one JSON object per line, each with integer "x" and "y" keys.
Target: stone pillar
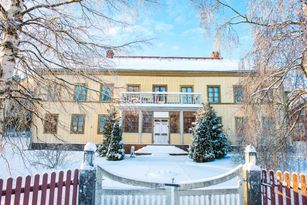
{"x": 140, "y": 126}
{"x": 181, "y": 127}
{"x": 121, "y": 118}
{"x": 251, "y": 178}
{"x": 87, "y": 178}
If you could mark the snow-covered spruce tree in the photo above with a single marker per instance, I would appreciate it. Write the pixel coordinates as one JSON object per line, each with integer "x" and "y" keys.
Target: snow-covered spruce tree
{"x": 209, "y": 141}
{"x": 116, "y": 149}
{"x": 109, "y": 121}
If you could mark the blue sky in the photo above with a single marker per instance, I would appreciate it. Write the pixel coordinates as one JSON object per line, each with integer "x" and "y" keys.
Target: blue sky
{"x": 175, "y": 29}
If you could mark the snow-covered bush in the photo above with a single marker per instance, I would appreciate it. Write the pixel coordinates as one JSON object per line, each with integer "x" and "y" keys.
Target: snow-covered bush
{"x": 51, "y": 158}
{"x": 209, "y": 140}
{"x": 116, "y": 149}
{"x": 109, "y": 121}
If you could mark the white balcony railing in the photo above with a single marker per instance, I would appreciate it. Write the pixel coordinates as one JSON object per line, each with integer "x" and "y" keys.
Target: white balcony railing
{"x": 169, "y": 98}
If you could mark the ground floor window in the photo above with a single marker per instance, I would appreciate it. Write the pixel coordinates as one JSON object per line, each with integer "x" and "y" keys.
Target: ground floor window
{"x": 147, "y": 122}
{"x": 174, "y": 122}
{"x": 188, "y": 120}
{"x": 50, "y": 123}
{"x": 100, "y": 123}
{"x": 77, "y": 124}
{"x": 240, "y": 122}
{"x": 131, "y": 122}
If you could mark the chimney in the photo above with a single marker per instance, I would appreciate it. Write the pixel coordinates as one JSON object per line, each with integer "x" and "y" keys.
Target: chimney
{"x": 110, "y": 54}
{"x": 216, "y": 55}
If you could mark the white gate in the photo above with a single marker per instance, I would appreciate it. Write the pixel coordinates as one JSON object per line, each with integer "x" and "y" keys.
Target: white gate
{"x": 150, "y": 193}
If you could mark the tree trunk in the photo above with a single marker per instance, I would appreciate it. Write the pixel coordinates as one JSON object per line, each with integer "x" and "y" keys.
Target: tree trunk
{"x": 8, "y": 52}
{"x": 304, "y": 2}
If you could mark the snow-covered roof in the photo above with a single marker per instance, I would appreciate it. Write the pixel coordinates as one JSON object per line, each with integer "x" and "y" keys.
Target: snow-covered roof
{"x": 155, "y": 63}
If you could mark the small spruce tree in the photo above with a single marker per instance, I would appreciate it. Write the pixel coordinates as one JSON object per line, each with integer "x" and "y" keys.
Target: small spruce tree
{"x": 109, "y": 121}
{"x": 209, "y": 141}
{"x": 116, "y": 149}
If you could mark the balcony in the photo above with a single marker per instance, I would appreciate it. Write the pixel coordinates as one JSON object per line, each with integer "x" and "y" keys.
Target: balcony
{"x": 161, "y": 99}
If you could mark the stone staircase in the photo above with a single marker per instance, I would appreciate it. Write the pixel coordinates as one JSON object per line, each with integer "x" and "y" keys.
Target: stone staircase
{"x": 161, "y": 150}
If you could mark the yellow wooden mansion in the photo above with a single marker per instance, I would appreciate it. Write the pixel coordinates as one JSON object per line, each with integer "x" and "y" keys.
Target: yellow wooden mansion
{"x": 156, "y": 98}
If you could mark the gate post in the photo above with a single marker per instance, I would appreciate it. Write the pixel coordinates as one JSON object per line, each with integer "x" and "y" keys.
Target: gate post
{"x": 251, "y": 177}
{"x": 87, "y": 178}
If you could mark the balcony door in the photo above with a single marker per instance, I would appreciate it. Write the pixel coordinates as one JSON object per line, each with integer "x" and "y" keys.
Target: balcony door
{"x": 160, "y": 98}
{"x": 160, "y": 131}
{"x": 187, "y": 98}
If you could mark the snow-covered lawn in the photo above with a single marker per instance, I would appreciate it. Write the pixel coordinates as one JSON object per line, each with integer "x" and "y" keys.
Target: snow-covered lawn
{"x": 16, "y": 161}
{"x": 165, "y": 169}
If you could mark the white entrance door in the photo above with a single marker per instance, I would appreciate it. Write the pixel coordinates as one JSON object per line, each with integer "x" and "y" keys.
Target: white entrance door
{"x": 160, "y": 131}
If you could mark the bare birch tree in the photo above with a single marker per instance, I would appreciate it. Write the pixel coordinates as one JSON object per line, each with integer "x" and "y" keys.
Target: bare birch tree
{"x": 43, "y": 36}
{"x": 278, "y": 60}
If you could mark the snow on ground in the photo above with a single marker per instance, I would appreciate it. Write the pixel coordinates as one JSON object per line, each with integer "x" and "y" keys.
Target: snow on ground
{"x": 165, "y": 169}
{"x": 16, "y": 160}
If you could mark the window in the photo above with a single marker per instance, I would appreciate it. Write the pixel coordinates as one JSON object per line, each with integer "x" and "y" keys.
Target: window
{"x": 174, "y": 122}
{"x": 51, "y": 123}
{"x": 187, "y": 99}
{"x": 160, "y": 97}
{"x": 267, "y": 126}
{"x": 188, "y": 120}
{"x": 240, "y": 122}
{"x": 53, "y": 91}
{"x": 77, "y": 124}
{"x": 159, "y": 88}
{"x": 133, "y": 88}
{"x": 131, "y": 122}
{"x": 147, "y": 122}
{"x": 214, "y": 94}
{"x": 106, "y": 92}
{"x": 238, "y": 93}
{"x": 80, "y": 93}
{"x": 220, "y": 120}
{"x": 100, "y": 123}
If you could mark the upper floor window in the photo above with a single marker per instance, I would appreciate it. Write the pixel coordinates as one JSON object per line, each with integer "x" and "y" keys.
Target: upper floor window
{"x": 77, "y": 123}
{"x": 238, "y": 93}
{"x": 101, "y": 120}
{"x": 187, "y": 98}
{"x": 51, "y": 123}
{"x": 214, "y": 95}
{"x": 106, "y": 92}
{"x": 133, "y": 88}
{"x": 159, "y": 88}
{"x": 80, "y": 92}
{"x": 53, "y": 92}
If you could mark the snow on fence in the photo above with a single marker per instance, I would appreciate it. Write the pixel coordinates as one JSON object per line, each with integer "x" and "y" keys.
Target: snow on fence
{"x": 278, "y": 188}
{"x": 186, "y": 193}
{"x": 57, "y": 190}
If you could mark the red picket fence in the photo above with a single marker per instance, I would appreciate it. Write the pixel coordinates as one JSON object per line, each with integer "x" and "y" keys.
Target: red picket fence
{"x": 55, "y": 191}
{"x": 281, "y": 189}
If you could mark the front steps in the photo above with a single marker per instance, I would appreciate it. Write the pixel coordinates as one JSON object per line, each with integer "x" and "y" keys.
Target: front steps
{"x": 161, "y": 150}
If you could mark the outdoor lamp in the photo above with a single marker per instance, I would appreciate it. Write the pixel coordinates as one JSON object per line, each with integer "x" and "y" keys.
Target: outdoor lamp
{"x": 250, "y": 155}
{"x": 89, "y": 151}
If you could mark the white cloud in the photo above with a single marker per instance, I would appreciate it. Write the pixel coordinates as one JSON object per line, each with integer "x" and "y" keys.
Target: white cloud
{"x": 193, "y": 31}
{"x": 163, "y": 27}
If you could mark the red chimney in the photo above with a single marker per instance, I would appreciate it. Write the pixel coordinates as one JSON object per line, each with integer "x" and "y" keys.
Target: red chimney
{"x": 215, "y": 55}
{"x": 110, "y": 54}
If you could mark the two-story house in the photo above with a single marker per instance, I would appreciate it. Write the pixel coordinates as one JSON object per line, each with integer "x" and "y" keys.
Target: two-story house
{"x": 156, "y": 98}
